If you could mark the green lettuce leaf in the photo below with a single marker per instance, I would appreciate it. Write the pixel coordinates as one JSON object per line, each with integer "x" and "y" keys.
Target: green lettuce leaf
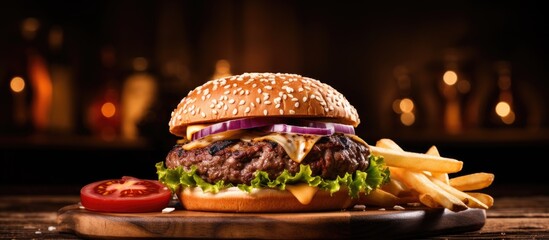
{"x": 376, "y": 175}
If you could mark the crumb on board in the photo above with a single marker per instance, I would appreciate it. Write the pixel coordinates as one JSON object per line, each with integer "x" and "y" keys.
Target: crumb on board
{"x": 168, "y": 210}
{"x": 398, "y": 207}
{"x": 360, "y": 207}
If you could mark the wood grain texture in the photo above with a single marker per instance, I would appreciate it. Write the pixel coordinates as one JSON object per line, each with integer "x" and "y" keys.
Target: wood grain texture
{"x": 376, "y": 224}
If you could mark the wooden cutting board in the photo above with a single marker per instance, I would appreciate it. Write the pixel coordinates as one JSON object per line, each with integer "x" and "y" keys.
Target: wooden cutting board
{"x": 376, "y": 224}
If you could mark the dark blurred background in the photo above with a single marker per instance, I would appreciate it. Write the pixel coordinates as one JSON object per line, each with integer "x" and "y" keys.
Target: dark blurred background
{"x": 87, "y": 87}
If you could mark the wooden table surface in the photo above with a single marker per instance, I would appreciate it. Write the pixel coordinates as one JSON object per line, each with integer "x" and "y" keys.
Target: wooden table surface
{"x": 519, "y": 212}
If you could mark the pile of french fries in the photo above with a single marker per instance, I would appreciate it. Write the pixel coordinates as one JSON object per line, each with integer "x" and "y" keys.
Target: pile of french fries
{"x": 418, "y": 178}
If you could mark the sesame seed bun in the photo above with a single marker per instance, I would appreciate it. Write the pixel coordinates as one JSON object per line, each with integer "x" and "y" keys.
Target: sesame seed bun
{"x": 261, "y": 95}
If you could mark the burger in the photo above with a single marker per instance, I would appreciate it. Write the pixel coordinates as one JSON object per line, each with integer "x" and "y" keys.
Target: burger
{"x": 268, "y": 142}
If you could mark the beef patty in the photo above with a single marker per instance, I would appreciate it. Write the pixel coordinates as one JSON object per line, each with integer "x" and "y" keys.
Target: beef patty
{"x": 236, "y": 161}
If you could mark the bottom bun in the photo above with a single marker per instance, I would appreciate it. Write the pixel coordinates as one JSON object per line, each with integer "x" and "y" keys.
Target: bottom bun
{"x": 261, "y": 200}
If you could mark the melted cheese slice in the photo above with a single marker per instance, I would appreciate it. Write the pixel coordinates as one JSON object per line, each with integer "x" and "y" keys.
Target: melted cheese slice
{"x": 303, "y": 192}
{"x": 203, "y": 142}
{"x": 296, "y": 145}
{"x": 191, "y": 129}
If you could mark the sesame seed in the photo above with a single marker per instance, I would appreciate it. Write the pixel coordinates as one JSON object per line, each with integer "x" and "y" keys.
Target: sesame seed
{"x": 258, "y": 100}
{"x": 277, "y": 105}
{"x": 300, "y": 89}
{"x": 252, "y": 104}
{"x": 231, "y": 101}
{"x": 304, "y": 99}
{"x": 214, "y": 112}
{"x": 281, "y": 111}
{"x": 203, "y": 114}
{"x": 227, "y": 92}
{"x": 292, "y": 111}
{"x": 247, "y": 110}
{"x": 259, "y": 90}
{"x": 265, "y": 112}
{"x": 235, "y": 111}
{"x": 267, "y": 102}
{"x": 296, "y": 104}
{"x": 242, "y": 102}
{"x": 268, "y": 87}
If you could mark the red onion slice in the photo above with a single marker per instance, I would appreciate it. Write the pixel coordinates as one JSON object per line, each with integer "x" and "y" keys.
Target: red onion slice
{"x": 285, "y": 128}
{"x": 338, "y": 127}
{"x": 236, "y": 124}
{"x": 274, "y": 125}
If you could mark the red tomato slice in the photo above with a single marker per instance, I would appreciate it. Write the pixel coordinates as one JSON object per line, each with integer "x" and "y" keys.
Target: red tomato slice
{"x": 127, "y": 194}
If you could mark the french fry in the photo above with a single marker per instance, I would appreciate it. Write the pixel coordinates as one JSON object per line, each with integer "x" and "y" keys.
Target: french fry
{"x": 396, "y": 188}
{"x": 381, "y": 198}
{"x": 417, "y": 161}
{"x": 426, "y": 176}
{"x": 464, "y": 197}
{"x": 388, "y": 144}
{"x": 433, "y": 151}
{"x": 424, "y": 185}
{"x": 483, "y": 197}
{"x": 474, "y": 181}
{"x": 428, "y": 201}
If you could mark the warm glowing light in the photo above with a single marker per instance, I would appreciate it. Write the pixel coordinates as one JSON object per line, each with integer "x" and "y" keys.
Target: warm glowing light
{"x": 407, "y": 118}
{"x": 450, "y": 78}
{"x": 503, "y": 109}
{"x": 17, "y": 84}
{"x": 509, "y": 118}
{"x": 406, "y": 105}
{"x": 29, "y": 27}
{"x": 108, "y": 109}
{"x": 140, "y": 64}
{"x": 222, "y": 69}
{"x": 396, "y": 106}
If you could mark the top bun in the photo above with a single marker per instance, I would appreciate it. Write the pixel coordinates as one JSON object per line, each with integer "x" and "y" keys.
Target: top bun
{"x": 261, "y": 95}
